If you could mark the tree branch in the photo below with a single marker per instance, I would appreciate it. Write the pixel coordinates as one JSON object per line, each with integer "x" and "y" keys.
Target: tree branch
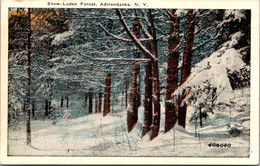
{"x": 142, "y": 48}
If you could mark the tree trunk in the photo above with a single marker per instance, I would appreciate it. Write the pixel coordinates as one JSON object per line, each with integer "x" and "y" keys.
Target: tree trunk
{"x": 90, "y": 99}
{"x": 33, "y": 109}
{"x": 126, "y": 95}
{"x": 137, "y": 33}
{"x": 28, "y": 108}
{"x": 24, "y": 105}
{"x": 157, "y": 109}
{"x": 46, "y": 108}
{"x": 172, "y": 74}
{"x": 96, "y": 103}
{"x": 132, "y": 114}
{"x": 100, "y": 103}
{"x": 107, "y": 95}
{"x": 49, "y": 107}
{"x": 67, "y": 102}
{"x": 189, "y": 39}
{"x": 61, "y": 102}
{"x": 187, "y": 58}
{"x": 148, "y": 113}
{"x": 200, "y": 117}
{"x": 182, "y": 116}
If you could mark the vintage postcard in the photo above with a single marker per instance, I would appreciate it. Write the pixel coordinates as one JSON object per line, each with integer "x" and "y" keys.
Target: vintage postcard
{"x": 129, "y": 82}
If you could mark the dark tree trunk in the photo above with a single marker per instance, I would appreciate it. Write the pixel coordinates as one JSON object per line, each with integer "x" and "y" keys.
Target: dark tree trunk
{"x": 182, "y": 116}
{"x": 189, "y": 39}
{"x": 49, "y": 107}
{"x": 172, "y": 74}
{"x": 28, "y": 115}
{"x": 107, "y": 95}
{"x": 61, "y": 102}
{"x": 33, "y": 109}
{"x": 187, "y": 57}
{"x": 100, "y": 103}
{"x": 96, "y": 103}
{"x": 157, "y": 109}
{"x": 90, "y": 99}
{"x": 24, "y": 107}
{"x": 200, "y": 117}
{"x": 148, "y": 113}
{"x": 132, "y": 114}
{"x": 46, "y": 108}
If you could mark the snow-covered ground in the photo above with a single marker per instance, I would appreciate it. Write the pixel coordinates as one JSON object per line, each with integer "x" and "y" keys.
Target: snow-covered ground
{"x": 95, "y": 135}
{"x": 227, "y": 123}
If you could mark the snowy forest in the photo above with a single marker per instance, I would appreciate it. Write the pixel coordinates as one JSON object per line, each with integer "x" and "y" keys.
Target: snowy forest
{"x": 128, "y": 82}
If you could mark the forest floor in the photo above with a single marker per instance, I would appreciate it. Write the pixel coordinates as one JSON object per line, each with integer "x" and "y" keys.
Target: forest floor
{"x": 95, "y": 135}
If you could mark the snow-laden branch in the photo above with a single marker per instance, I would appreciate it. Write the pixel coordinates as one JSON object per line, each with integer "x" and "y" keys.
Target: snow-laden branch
{"x": 79, "y": 80}
{"x": 18, "y": 74}
{"x": 93, "y": 71}
{"x": 215, "y": 26}
{"x": 146, "y": 33}
{"x": 105, "y": 53}
{"x": 168, "y": 14}
{"x": 142, "y": 48}
{"x": 58, "y": 76}
{"x": 109, "y": 59}
{"x": 101, "y": 17}
{"x": 118, "y": 37}
{"x": 112, "y": 35}
{"x": 213, "y": 38}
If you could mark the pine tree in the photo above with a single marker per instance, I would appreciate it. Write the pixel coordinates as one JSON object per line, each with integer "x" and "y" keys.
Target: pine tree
{"x": 132, "y": 114}
{"x": 172, "y": 72}
{"x": 186, "y": 68}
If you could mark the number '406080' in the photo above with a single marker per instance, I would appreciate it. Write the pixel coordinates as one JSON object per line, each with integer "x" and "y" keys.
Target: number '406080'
{"x": 217, "y": 145}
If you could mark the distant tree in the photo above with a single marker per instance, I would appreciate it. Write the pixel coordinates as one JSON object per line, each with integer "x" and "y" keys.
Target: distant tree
{"x": 99, "y": 102}
{"x": 107, "y": 95}
{"x": 90, "y": 99}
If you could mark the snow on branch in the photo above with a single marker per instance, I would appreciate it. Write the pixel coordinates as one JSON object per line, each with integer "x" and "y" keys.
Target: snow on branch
{"x": 101, "y": 17}
{"x": 213, "y": 38}
{"x": 61, "y": 37}
{"x": 18, "y": 74}
{"x": 80, "y": 80}
{"x": 145, "y": 31}
{"x": 114, "y": 36}
{"x": 118, "y": 37}
{"x": 142, "y": 48}
{"x": 109, "y": 59}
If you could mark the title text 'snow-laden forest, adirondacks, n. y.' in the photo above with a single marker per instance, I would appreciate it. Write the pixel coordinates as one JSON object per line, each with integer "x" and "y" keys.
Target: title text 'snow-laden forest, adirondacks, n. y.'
{"x": 129, "y": 82}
